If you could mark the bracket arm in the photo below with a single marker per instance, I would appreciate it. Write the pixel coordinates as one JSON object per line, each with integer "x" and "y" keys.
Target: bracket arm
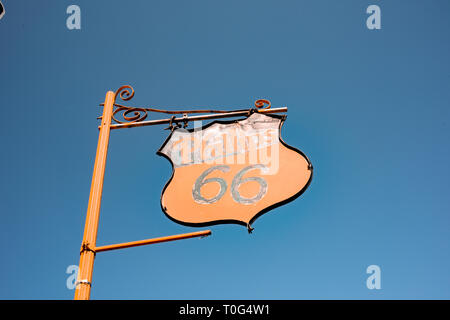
{"x": 124, "y": 245}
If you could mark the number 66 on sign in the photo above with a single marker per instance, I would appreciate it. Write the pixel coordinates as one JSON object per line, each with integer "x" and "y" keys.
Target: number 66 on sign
{"x": 231, "y": 171}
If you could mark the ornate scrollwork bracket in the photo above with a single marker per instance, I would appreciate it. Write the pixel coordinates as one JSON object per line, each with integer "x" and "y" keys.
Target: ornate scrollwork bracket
{"x": 127, "y": 115}
{"x": 259, "y": 104}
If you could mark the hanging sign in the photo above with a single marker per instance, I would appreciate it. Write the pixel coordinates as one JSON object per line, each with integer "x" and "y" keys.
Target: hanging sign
{"x": 231, "y": 171}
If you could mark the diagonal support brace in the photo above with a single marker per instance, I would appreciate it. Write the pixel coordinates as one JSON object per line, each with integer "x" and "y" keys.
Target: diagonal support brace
{"x": 202, "y": 234}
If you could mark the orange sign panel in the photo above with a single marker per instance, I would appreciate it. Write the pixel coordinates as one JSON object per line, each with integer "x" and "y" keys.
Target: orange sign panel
{"x": 231, "y": 171}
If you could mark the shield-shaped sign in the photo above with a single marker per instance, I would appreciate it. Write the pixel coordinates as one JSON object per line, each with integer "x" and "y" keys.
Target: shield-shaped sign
{"x": 231, "y": 171}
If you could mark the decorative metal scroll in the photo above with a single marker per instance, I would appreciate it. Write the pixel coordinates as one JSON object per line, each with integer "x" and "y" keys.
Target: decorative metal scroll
{"x": 127, "y": 114}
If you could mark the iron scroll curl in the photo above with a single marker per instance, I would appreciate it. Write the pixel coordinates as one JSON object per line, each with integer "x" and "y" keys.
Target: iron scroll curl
{"x": 123, "y": 114}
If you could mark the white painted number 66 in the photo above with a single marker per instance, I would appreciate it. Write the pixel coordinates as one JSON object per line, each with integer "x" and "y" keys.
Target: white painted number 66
{"x": 235, "y": 184}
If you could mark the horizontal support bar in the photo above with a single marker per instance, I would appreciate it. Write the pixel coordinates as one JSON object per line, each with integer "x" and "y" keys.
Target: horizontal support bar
{"x": 204, "y": 233}
{"x": 194, "y": 118}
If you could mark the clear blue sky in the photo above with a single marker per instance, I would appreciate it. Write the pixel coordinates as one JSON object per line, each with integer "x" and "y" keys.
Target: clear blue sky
{"x": 369, "y": 107}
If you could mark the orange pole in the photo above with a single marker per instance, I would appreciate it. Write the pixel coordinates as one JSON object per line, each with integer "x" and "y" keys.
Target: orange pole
{"x": 87, "y": 253}
{"x": 152, "y": 241}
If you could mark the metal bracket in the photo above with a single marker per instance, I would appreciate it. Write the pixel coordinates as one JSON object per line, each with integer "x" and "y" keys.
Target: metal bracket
{"x": 85, "y": 247}
{"x": 185, "y": 120}
{"x": 84, "y": 281}
{"x": 172, "y": 127}
{"x": 252, "y": 111}
{"x": 153, "y": 240}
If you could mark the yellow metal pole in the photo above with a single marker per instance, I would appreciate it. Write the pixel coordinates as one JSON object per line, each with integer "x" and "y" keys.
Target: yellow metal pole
{"x": 87, "y": 253}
